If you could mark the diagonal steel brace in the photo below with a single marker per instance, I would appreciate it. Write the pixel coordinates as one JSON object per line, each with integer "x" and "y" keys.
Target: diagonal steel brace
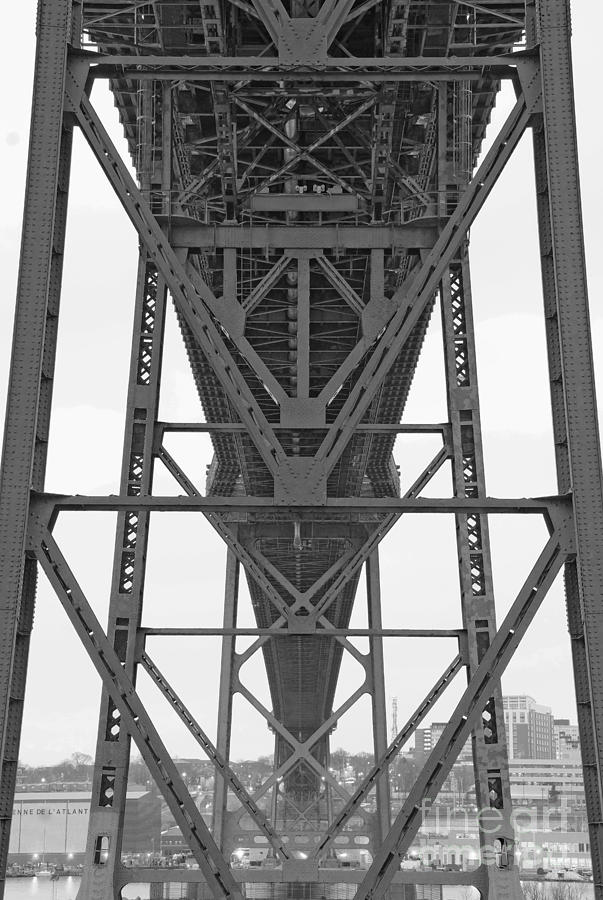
{"x": 413, "y": 300}
{"x": 135, "y": 716}
{"x": 217, "y": 522}
{"x": 468, "y": 711}
{"x": 302, "y": 749}
{"x": 218, "y": 760}
{"x": 392, "y": 751}
{"x": 194, "y": 301}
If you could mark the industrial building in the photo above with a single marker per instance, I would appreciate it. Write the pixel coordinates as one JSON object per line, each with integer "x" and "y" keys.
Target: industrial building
{"x": 547, "y": 781}
{"x": 52, "y": 826}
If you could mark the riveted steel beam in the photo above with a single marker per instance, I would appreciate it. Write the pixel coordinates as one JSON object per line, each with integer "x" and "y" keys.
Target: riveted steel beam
{"x": 332, "y": 15}
{"x": 489, "y": 745}
{"x": 228, "y": 315}
{"x": 375, "y": 428}
{"x": 283, "y": 631}
{"x": 109, "y": 787}
{"x": 326, "y": 876}
{"x": 185, "y": 232}
{"x": 329, "y": 876}
{"x": 47, "y": 505}
{"x": 268, "y": 67}
{"x": 272, "y": 14}
{"x": 225, "y": 695}
{"x": 346, "y": 291}
{"x": 575, "y": 423}
{"x": 31, "y": 377}
{"x": 259, "y": 292}
{"x": 376, "y": 665}
{"x": 375, "y": 74}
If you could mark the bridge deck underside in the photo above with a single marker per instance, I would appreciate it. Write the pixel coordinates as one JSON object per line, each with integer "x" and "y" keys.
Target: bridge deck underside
{"x": 402, "y": 125}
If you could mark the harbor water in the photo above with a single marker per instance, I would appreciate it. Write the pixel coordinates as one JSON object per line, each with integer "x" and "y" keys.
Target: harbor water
{"x": 67, "y": 888}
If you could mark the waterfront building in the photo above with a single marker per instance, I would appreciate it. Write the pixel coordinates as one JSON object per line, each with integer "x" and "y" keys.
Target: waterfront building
{"x": 52, "y": 825}
{"x": 547, "y": 781}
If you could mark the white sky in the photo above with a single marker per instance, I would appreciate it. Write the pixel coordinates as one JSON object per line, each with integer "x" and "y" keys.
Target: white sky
{"x": 185, "y": 565}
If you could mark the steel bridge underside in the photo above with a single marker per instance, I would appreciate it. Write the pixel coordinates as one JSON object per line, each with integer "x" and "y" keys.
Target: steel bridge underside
{"x": 303, "y": 178}
{"x": 229, "y": 147}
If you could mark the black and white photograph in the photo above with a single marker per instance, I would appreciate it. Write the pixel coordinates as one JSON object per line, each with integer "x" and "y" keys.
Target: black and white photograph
{"x": 301, "y": 494}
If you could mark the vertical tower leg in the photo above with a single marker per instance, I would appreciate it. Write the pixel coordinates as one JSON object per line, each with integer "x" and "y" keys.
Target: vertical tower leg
{"x": 377, "y": 672}
{"x": 31, "y": 379}
{"x": 107, "y": 807}
{"x": 577, "y": 443}
{"x": 231, "y": 601}
{"x": 493, "y": 792}
{"x": 490, "y": 758}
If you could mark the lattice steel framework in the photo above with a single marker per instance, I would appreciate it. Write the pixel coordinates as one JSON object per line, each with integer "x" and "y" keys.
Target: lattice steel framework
{"x": 306, "y": 180}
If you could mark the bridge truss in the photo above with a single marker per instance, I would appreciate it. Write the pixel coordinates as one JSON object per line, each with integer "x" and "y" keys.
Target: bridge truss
{"x": 306, "y": 177}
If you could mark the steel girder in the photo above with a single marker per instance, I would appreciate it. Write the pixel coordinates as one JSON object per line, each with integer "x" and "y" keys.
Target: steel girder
{"x": 334, "y": 69}
{"x": 215, "y": 327}
{"x": 226, "y": 687}
{"x": 127, "y": 583}
{"x": 132, "y": 533}
{"x": 31, "y": 379}
{"x": 377, "y": 675}
{"x": 577, "y": 444}
{"x": 493, "y": 789}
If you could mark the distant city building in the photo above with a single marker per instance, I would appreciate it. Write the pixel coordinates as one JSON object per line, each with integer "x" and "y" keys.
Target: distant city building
{"x": 547, "y": 781}
{"x": 52, "y": 826}
{"x": 436, "y": 731}
{"x": 530, "y": 728}
{"x": 465, "y": 756}
{"x": 173, "y": 842}
{"x": 423, "y": 740}
{"x": 567, "y": 741}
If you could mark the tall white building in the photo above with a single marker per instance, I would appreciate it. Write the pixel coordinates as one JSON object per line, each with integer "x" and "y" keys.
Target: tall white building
{"x": 427, "y": 738}
{"x": 530, "y": 728}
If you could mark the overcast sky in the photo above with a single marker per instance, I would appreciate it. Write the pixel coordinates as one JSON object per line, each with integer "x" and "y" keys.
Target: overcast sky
{"x": 186, "y": 560}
